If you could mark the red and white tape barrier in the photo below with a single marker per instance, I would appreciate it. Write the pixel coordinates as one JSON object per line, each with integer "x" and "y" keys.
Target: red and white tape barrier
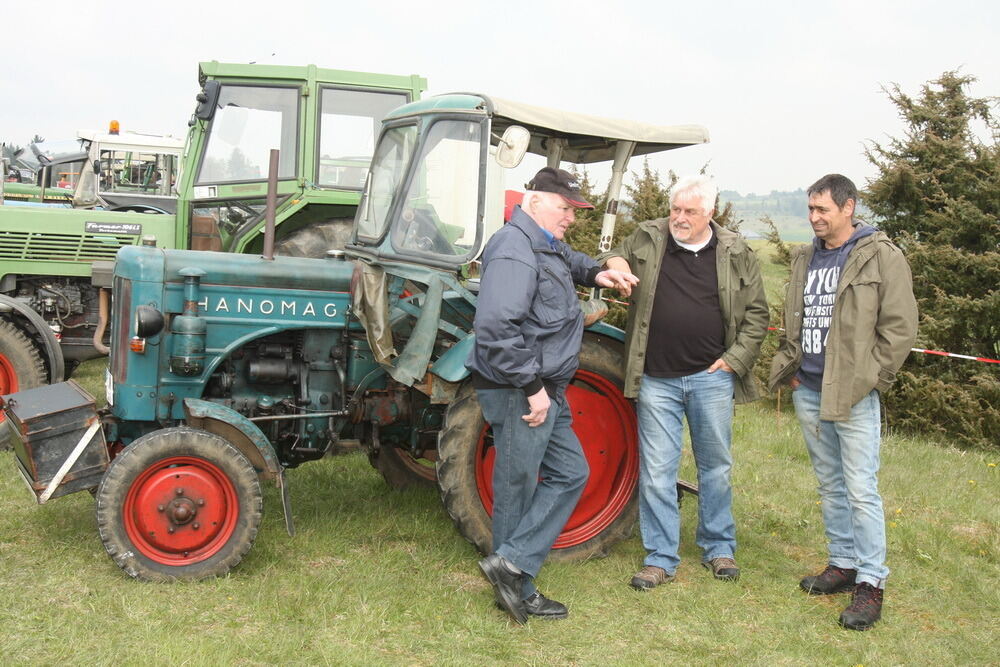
{"x": 939, "y": 353}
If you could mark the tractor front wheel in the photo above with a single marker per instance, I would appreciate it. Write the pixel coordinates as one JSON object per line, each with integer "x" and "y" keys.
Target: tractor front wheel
{"x": 605, "y": 423}
{"x": 401, "y": 470}
{"x": 21, "y": 367}
{"x": 179, "y": 503}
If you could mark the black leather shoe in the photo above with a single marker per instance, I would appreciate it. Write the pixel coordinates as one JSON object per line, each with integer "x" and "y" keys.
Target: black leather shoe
{"x": 506, "y": 580}
{"x": 538, "y": 605}
{"x": 542, "y": 607}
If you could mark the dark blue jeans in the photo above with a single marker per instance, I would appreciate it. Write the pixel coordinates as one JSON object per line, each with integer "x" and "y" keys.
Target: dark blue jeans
{"x": 538, "y": 476}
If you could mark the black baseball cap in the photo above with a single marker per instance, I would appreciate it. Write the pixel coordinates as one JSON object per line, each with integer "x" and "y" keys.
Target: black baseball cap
{"x": 560, "y": 182}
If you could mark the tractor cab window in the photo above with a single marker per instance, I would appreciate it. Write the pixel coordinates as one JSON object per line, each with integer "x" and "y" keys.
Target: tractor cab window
{"x": 349, "y": 124}
{"x": 64, "y": 160}
{"x": 214, "y": 224}
{"x": 439, "y": 213}
{"x": 248, "y": 123}
{"x": 388, "y": 169}
{"x": 137, "y": 172}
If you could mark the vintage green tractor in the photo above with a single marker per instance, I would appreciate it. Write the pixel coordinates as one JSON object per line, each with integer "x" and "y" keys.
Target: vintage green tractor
{"x": 55, "y": 263}
{"x": 229, "y": 369}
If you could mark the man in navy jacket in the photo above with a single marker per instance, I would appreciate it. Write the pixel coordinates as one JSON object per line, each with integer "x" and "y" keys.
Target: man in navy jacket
{"x": 529, "y": 328}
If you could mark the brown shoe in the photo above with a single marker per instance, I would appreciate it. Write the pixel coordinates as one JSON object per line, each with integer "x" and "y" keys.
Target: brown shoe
{"x": 865, "y": 608}
{"x": 649, "y": 577}
{"x": 723, "y": 568}
{"x": 829, "y": 581}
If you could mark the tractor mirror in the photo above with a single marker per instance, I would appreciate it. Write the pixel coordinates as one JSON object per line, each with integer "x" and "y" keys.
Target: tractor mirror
{"x": 513, "y": 146}
{"x": 208, "y": 99}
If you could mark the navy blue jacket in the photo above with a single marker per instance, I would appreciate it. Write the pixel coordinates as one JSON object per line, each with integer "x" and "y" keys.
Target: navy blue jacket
{"x": 528, "y": 321}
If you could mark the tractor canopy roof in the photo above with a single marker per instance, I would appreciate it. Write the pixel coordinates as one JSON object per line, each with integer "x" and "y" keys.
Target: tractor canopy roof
{"x": 275, "y": 74}
{"x": 588, "y": 138}
{"x": 135, "y": 141}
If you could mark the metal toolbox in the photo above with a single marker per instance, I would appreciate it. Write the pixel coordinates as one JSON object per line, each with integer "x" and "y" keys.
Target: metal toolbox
{"x": 47, "y": 427}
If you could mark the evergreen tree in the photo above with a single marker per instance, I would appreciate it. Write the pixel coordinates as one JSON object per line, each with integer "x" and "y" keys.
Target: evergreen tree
{"x": 649, "y": 196}
{"x": 585, "y": 235}
{"x": 937, "y": 194}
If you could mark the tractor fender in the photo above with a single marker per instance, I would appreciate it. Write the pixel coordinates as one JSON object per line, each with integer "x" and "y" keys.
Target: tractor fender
{"x": 608, "y": 330}
{"x": 450, "y": 366}
{"x": 53, "y": 352}
{"x": 242, "y": 433}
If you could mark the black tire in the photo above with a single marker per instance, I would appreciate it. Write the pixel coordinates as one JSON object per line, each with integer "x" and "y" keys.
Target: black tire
{"x": 401, "y": 470}
{"x": 21, "y": 367}
{"x": 155, "y": 533}
{"x": 315, "y": 239}
{"x": 465, "y": 439}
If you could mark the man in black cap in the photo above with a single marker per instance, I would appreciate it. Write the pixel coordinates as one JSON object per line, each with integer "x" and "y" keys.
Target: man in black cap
{"x": 529, "y": 328}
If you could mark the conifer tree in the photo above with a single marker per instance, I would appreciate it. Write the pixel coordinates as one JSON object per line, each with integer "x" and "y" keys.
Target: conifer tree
{"x": 937, "y": 194}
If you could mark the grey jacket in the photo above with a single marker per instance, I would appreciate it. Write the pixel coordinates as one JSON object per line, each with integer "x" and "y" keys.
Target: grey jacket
{"x": 528, "y": 323}
{"x": 873, "y": 327}
{"x": 741, "y": 298}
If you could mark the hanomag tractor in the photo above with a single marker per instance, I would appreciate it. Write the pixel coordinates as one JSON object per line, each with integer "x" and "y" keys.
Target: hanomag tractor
{"x": 228, "y": 369}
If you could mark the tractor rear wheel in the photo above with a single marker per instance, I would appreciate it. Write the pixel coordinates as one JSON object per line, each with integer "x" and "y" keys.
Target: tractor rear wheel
{"x": 21, "y": 367}
{"x": 315, "y": 239}
{"x": 179, "y": 503}
{"x": 604, "y": 421}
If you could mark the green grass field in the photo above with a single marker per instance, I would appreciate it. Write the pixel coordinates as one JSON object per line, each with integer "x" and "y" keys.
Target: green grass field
{"x": 379, "y": 576}
{"x": 376, "y": 576}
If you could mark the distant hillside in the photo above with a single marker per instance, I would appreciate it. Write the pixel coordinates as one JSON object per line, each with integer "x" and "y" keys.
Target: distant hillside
{"x": 788, "y": 210}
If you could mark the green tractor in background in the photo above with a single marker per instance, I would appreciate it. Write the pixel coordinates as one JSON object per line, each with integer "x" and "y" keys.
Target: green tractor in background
{"x": 55, "y": 262}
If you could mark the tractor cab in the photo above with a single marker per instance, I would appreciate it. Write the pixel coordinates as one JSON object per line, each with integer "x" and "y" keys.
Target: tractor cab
{"x": 436, "y": 192}
{"x": 436, "y": 187}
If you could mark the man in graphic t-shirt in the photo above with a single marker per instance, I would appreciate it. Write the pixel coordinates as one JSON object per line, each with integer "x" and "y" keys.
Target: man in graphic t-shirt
{"x": 851, "y": 319}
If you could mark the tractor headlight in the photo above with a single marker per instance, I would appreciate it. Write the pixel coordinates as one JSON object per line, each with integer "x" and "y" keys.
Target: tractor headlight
{"x": 148, "y": 321}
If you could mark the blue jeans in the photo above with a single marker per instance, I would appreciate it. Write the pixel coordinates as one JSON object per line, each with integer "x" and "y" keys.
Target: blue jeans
{"x": 538, "y": 476}
{"x": 845, "y": 457}
{"x": 706, "y": 399}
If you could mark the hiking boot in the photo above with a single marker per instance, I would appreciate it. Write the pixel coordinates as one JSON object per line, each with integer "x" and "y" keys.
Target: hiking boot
{"x": 829, "y": 581}
{"x": 865, "y": 608}
{"x": 723, "y": 568}
{"x": 649, "y": 577}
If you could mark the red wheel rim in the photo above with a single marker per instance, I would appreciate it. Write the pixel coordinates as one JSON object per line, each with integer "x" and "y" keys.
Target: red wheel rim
{"x": 181, "y": 511}
{"x": 8, "y": 378}
{"x": 598, "y": 407}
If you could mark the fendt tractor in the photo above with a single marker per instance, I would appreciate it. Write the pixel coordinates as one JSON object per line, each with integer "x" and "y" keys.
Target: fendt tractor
{"x": 226, "y": 370}
{"x": 55, "y": 263}
{"x": 113, "y": 170}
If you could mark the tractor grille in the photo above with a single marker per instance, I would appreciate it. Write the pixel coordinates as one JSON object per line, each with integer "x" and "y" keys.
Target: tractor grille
{"x": 38, "y": 246}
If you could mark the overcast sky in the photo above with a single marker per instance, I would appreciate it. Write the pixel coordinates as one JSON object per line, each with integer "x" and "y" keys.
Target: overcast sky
{"x": 788, "y": 90}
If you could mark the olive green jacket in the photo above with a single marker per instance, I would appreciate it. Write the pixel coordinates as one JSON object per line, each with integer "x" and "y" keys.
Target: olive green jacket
{"x": 873, "y": 327}
{"x": 741, "y": 298}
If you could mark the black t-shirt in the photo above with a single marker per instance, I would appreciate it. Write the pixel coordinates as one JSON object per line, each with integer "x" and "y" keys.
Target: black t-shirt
{"x": 686, "y": 333}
